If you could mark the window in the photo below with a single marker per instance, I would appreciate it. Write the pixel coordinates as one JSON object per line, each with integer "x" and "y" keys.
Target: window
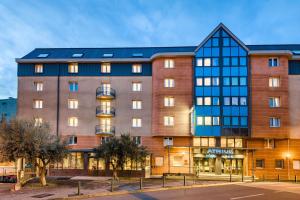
{"x": 38, "y": 121}
{"x": 199, "y": 101}
{"x": 72, "y": 140}
{"x": 279, "y": 164}
{"x": 226, "y": 101}
{"x": 169, "y": 83}
{"x": 207, "y": 81}
{"x": 136, "y": 105}
{"x": 38, "y": 68}
{"x": 238, "y": 143}
{"x": 207, "y": 121}
{"x": 243, "y": 81}
{"x": 72, "y": 104}
{"x": 199, "y": 62}
{"x": 200, "y": 121}
{"x": 260, "y": 163}
{"x": 274, "y": 82}
{"x": 73, "y": 86}
{"x": 274, "y": 122}
{"x": 137, "y": 139}
{"x": 43, "y": 55}
{"x": 104, "y": 140}
{"x": 215, "y": 81}
{"x": 169, "y": 101}
{"x": 235, "y": 101}
{"x": 136, "y": 122}
{"x": 243, "y": 101}
{"x": 136, "y": 68}
{"x": 108, "y": 55}
{"x": 177, "y": 161}
{"x": 73, "y": 121}
{"x": 273, "y": 62}
{"x": 204, "y": 142}
{"x": 207, "y": 62}
{"x": 207, "y": 101}
{"x": 73, "y": 68}
{"x": 216, "y": 121}
{"x": 38, "y": 104}
{"x": 226, "y": 81}
{"x": 274, "y": 102}
{"x": 296, "y": 164}
{"x": 77, "y": 55}
{"x": 169, "y": 63}
{"x": 39, "y": 86}
{"x": 168, "y": 141}
{"x": 105, "y": 68}
{"x": 216, "y": 101}
{"x": 234, "y": 81}
{"x": 230, "y": 142}
{"x": 269, "y": 144}
{"x": 136, "y": 86}
{"x": 199, "y": 81}
{"x": 137, "y": 55}
{"x": 168, "y": 121}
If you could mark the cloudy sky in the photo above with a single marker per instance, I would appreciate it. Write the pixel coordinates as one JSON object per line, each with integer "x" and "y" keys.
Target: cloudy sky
{"x": 25, "y": 25}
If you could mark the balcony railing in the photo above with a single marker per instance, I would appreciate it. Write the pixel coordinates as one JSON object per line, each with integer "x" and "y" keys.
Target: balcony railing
{"x": 102, "y": 111}
{"x": 105, "y": 93}
{"x": 105, "y": 130}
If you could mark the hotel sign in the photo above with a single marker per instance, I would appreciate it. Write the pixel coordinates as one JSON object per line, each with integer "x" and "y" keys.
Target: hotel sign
{"x": 217, "y": 151}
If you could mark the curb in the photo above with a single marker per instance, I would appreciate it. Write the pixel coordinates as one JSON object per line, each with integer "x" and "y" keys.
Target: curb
{"x": 103, "y": 194}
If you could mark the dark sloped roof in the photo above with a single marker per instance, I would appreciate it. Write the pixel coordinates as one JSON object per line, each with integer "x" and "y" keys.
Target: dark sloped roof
{"x": 119, "y": 52}
{"x": 291, "y": 47}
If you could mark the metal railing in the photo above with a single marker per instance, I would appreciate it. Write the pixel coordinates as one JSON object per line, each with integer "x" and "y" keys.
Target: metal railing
{"x": 105, "y": 111}
{"x": 105, "y": 92}
{"x": 104, "y": 130}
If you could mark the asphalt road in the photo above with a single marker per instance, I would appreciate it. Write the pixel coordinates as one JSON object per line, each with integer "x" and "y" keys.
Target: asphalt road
{"x": 249, "y": 191}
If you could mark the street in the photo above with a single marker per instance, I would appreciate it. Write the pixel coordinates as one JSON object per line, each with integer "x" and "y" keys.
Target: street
{"x": 248, "y": 191}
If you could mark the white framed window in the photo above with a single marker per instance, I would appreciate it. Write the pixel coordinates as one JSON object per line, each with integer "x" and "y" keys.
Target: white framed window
{"x": 273, "y": 62}
{"x": 38, "y": 68}
{"x": 168, "y": 121}
{"x": 200, "y": 121}
{"x": 38, "y": 121}
{"x": 72, "y": 103}
{"x": 136, "y": 122}
{"x": 178, "y": 161}
{"x": 234, "y": 101}
{"x": 199, "y": 62}
{"x": 169, "y": 63}
{"x": 136, "y": 68}
{"x": 168, "y": 141}
{"x": 169, "y": 83}
{"x": 73, "y": 68}
{"x": 136, "y": 105}
{"x": 207, "y": 101}
{"x": 73, "y": 121}
{"x": 207, "y": 121}
{"x": 207, "y": 62}
{"x": 199, "y": 81}
{"x": 169, "y": 101}
{"x": 72, "y": 140}
{"x": 73, "y": 86}
{"x": 274, "y": 82}
{"x": 38, "y": 104}
{"x": 207, "y": 81}
{"x": 39, "y": 86}
{"x": 199, "y": 101}
{"x": 216, "y": 121}
{"x": 274, "y": 102}
{"x": 137, "y": 140}
{"x": 105, "y": 68}
{"x": 215, "y": 81}
{"x": 274, "y": 122}
{"x": 136, "y": 86}
{"x": 269, "y": 143}
{"x": 296, "y": 164}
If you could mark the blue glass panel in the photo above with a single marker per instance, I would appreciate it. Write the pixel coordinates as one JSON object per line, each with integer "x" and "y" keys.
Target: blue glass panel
{"x": 243, "y": 91}
{"x": 215, "y": 71}
{"x": 207, "y": 51}
{"x": 226, "y": 101}
{"x": 234, "y": 61}
{"x": 243, "y": 111}
{"x": 226, "y": 81}
{"x": 226, "y": 71}
{"x": 226, "y": 51}
{"x": 226, "y": 61}
{"x": 234, "y": 71}
{"x": 215, "y": 61}
{"x": 207, "y": 71}
{"x": 244, "y": 121}
{"x": 226, "y": 91}
{"x": 235, "y": 111}
{"x": 199, "y": 52}
{"x": 217, "y": 34}
{"x": 199, "y": 91}
{"x": 233, "y": 43}
{"x": 215, "y": 91}
{"x": 243, "y": 61}
{"x": 227, "y": 121}
{"x": 207, "y": 91}
{"x": 242, "y": 52}
{"x": 216, "y": 131}
{"x": 225, "y": 42}
{"x": 199, "y": 71}
{"x": 208, "y": 43}
{"x": 234, "y": 81}
{"x": 234, "y": 91}
{"x": 216, "y": 101}
{"x": 215, "y": 42}
{"x": 203, "y": 110}
{"x": 216, "y": 111}
{"x": 243, "y": 71}
{"x": 215, "y": 52}
{"x": 224, "y": 34}
{"x": 226, "y": 110}
{"x": 235, "y": 121}
{"x": 243, "y": 81}
{"x": 234, "y": 51}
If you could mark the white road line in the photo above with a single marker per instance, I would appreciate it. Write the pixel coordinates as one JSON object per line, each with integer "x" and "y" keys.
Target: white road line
{"x": 243, "y": 197}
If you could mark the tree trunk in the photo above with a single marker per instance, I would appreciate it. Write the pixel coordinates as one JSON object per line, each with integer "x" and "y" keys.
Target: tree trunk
{"x": 43, "y": 176}
{"x": 115, "y": 174}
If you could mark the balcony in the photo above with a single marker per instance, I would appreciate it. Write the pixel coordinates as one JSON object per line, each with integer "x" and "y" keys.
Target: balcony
{"x": 105, "y": 93}
{"x": 102, "y": 111}
{"x": 105, "y": 130}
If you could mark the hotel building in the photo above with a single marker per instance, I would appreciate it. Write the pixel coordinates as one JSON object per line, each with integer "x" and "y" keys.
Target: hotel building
{"x": 219, "y": 107}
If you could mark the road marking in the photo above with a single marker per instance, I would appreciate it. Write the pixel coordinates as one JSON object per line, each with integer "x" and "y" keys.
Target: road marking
{"x": 243, "y": 197}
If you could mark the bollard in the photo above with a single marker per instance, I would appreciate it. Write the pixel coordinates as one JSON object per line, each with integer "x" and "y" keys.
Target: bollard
{"x": 253, "y": 178}
{"x": 194, "y": 180}
{"x": 242, "y": 177}
{"x": 263, "y": 177}
{"x": 230, "y": 178}
{"x": 295, "y": 178}
{"x": 78, "y": 188}
{"x": 141, "y": 183}
{"x": 112, "y": 185}
{"x": 164, "y": 181}
{"x": 184, "y": 181}
{"x": 278, "y": 178}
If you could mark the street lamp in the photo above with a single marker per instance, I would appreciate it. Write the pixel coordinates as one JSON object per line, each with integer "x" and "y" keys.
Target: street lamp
{"x": 288, "y": 156}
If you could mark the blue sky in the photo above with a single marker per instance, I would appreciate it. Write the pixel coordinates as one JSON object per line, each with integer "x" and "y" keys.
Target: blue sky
{"x": 25, "y": 25}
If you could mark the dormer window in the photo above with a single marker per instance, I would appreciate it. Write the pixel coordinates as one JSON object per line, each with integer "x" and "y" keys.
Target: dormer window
{"x": 77, "y": 55}
{"x": 137, "y": 55}
{"x": 43, "y": 55}
{"x": 108, "y": 55}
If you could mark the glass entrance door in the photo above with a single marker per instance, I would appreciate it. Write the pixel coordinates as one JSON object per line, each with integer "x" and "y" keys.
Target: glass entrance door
{"x": 236, "y": 165}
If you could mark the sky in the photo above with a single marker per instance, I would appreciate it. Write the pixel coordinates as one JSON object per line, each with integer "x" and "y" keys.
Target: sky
{"x": 25, "y": 25}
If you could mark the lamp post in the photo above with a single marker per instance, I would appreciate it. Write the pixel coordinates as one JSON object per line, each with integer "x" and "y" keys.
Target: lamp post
{"x": 288, "y": 155}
